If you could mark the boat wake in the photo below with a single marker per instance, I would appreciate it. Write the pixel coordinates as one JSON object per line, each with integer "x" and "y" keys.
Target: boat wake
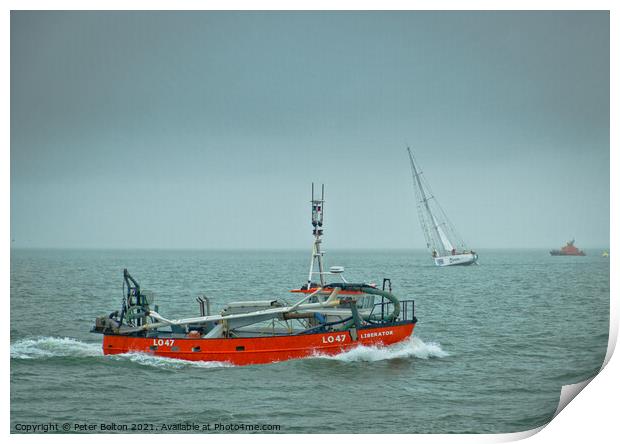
{"x": 51, "y": 347}
{"x": 167, "y": 363}
{"x": 411, "y": 348}
{"x": 55, "y": 347}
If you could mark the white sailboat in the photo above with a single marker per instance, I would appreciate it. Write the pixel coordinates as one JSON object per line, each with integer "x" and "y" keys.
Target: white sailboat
{"x": 442, "y": 240}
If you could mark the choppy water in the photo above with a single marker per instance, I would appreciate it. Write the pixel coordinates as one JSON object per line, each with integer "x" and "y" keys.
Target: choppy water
{"x": 492, "y": 348}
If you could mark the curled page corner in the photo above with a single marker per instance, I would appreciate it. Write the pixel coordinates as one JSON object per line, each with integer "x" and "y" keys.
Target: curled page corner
{"x": 518, "y": 436}
{"x": 569, "y": 392}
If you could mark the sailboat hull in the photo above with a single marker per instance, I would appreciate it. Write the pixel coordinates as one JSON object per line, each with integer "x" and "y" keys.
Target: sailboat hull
{"x": 441, "y": 237}
{"x": 456, "y": 259}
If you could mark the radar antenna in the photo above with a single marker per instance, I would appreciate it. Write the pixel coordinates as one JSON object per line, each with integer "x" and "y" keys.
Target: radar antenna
{"x": 317, "y": 231}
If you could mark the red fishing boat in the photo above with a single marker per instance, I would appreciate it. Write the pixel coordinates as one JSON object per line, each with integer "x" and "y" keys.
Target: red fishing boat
{"x": 568, "y": 250}
{"x": 329, "y": 319}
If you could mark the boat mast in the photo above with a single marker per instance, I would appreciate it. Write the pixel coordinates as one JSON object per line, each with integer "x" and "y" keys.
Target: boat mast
{"x": 424, "y": 200}
{"x": 317, "y": 231}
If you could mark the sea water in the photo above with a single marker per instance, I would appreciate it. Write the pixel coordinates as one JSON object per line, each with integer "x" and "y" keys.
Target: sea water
{"x": 492, "y": 348}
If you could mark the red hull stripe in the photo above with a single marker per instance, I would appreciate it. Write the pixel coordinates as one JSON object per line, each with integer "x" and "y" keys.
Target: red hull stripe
{"x": 244, "y": 351}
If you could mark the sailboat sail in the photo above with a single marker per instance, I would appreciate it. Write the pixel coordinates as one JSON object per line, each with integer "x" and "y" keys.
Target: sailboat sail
{"x": 441, "y": 236}
{"x": 447, "y": 245}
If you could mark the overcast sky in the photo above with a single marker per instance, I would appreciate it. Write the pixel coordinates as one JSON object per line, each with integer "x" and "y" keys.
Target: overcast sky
{"x": 205, "y": 130}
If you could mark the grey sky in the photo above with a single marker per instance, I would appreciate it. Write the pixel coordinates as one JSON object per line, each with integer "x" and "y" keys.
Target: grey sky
{"x": 205, "y": 130}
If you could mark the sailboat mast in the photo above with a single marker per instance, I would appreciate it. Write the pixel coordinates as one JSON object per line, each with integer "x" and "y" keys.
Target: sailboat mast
{"x": 416, "y": 178}
{"x": 424, "y": 201}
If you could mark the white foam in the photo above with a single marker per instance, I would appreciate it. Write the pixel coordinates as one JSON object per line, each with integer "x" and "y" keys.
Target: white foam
{"x": 49, "y": 347}
{"x": 412, "y": 348}
{"x": 171, "y": 363}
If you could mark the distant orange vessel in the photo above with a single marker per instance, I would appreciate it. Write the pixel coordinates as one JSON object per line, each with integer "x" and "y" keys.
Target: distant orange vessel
{"x": 568, "y": 250}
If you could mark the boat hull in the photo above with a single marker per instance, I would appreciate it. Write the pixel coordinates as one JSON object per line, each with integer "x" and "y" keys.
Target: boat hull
{"x": 456, "y": 259}
{"x": 258, "y": 350}
{"x": 562, "y": 253}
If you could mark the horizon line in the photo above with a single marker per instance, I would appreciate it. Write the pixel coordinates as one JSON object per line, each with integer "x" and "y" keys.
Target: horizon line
{"x": 273, "y": 248}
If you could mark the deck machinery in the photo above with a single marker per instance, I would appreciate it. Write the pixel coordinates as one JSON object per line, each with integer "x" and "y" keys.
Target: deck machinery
{"x": 328, "y": 319}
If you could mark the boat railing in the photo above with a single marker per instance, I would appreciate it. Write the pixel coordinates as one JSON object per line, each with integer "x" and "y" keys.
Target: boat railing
{"x": 407, "y": 309}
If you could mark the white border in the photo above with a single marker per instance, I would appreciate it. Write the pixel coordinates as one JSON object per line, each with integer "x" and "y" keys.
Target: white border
{"x": 591, "y": 417}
